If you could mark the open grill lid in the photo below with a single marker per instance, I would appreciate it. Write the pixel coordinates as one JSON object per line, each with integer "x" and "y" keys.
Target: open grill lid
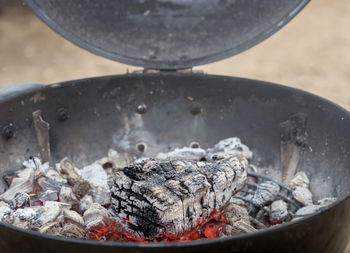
{"x": 166, "y": 34}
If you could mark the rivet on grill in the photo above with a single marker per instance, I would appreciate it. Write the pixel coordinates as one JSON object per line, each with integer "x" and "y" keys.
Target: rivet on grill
{"x": 141, "y": 108}
{"x": 62, "y": 114}
{"x": 194, "y": 144}
{"x": 8, "y": 131}
{"x": 141, "y": 147}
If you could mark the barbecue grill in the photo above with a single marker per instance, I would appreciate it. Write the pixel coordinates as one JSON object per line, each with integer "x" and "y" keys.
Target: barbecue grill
{"x": 167, "y": 105}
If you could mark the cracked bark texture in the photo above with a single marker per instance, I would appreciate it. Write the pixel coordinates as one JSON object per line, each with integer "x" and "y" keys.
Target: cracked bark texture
{"x": 173, "y": 197}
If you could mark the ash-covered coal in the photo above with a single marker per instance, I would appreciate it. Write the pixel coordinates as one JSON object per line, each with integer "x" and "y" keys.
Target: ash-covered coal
{"x": 189, "y": 193}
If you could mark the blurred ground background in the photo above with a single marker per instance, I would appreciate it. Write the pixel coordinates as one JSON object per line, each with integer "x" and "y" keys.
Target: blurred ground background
{"x": 311, "y": 53}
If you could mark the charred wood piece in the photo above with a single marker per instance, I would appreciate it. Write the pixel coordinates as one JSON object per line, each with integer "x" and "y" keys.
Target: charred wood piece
{"x": 173, "y": 197}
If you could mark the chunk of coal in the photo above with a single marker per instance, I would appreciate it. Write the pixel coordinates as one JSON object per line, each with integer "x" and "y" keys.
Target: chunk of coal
{"x": 51, "y": 228}
{"x": 23, "y": 187}
{"x": 239, "y": 227}
{"x": 278, "y": 212}
{"x": 172, "y": 197}
{"x": 73, "y": 217}
{"x": 20, "y": 200}
{"x": 306, "y": 211}
{"x": 232, "y": 146}
{"x": 5, "y": 213}
{"x": 100, "y": 195}
{"x": 265, "y": 193}
{"x": 71, "y": 230}
{"x": 48, "y": 195}
{"x": 85, "y": 203}
{"x": 95, "y": 175}
{"x": 234, "y": 213}
{"x": 184, "y": 153}
{"x": 67, "y": 196}
{"x": 95, "y": 215}
{"x": 303, "y": 195}
{"x": 326, "y": 201}
{"x": 299, "y": 180}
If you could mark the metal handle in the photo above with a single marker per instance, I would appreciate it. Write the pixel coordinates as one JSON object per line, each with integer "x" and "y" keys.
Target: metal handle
{"x": 16, "y": 89}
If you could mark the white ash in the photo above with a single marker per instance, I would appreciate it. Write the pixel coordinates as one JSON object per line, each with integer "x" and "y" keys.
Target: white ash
{"x": 265, "y": 193}
{"x": 307, "y": 210}
{"x": 184, "y": 153}
{"x": 52, "y": 210}
{"x": 278, "y": 211}
{"x": 100, "y": 195}
{"x": 233, "y": 146}
{"x": 23, "y": 187}
{"x": 303, "y": 195}
{"x": 95, "y": 174}
{"x": 21, "y": 176}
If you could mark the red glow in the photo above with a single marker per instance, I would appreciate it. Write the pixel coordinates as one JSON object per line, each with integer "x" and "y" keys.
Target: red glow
{"x": 205, "y": 230}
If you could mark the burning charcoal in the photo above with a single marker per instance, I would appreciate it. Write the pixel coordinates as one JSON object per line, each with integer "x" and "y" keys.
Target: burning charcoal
{"x": 306, "y": 211}
{"x": 326, "y": 201}
{"x": 23, "y": 187}
{"x": 278, "y": 212}
{"x": 85, "y": 203}
{"x": 299, "y": 180}
{"x": 173, "y": 196}
{"x": 238, "y": 201}
{"x": 67, "y": 196}
{"x": 95, "y": 215}
{"x": 48, "y": 195}
{"x": 20, "y": 200}
{"x": 5, "y": 213}
{"x": 184, "y": 153}
{"x": 233, "y": 146}
{"x": 26, "y": 214}
{"x": 22, "y": 176}
{"x": 303, "y": 195}
{"x": 50, "y": 184}
{"x": 24, "y": 224}
{"x": 71, "y": 230}
{"x": 80, "y": 186}
{"x": 51, "y": 228}
{"x": 95, "y": 175}
{"x": 54, "y": 175}
{"x": 239, "y": 227}
{"x": 52, "y": 210}
{"x": 265, "y": 193}
{"x": 234, "y": 213}
{"x": 100, "y": 195}
{"x": 73, "y": 217}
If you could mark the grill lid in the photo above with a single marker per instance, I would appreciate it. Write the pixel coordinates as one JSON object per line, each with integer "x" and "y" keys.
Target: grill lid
{"x": 166, "y": 34}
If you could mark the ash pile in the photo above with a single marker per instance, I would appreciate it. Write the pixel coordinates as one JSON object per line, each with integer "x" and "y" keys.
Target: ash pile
{"x": 185, "y": 194}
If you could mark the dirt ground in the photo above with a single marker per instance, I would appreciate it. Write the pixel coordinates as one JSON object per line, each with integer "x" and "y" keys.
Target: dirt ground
{"x": 311, "y": 53}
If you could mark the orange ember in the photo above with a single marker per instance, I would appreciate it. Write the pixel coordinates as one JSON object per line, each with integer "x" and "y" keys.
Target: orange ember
{"x": 205, "y": 230}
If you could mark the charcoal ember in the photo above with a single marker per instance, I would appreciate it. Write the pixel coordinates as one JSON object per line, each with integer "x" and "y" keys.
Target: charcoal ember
{"x": 20, "y": 200}
{"x": 85, "y": 203}
{"x": 74, "y": 231}
{"x": 51, "y": 228}
{"x": 48, "y": 195}
{"x": 55, "y": 176}
{"x": 299, "y": 180}
{"x": 80, "y": 186}
{"x": 238, "y": 201}
{"x": 51, "y": 210}
{"x": 50, "y": 184}
{"x": 233, "y": 213}
{"x": 173, "y": 196}
{"x": 278, "y": 212}
{"x": 27, "y": 215}
{"x": 73, "y": 217}
{"x": 326, "y": 201}
{"x": 96, "y": 215}
{"x": 303, "y": 195}
{"x": 67, "y": 196}
{"x": 265, "y": 193}
{"x": 5, "y": 213}
{"x": 100, "y": 195}
{"x": 239, "y": 227}
{"x": 306, "y": 211}
{"x": 232, "y": 146}
{"x": 184, "y": 153}
{"x": 22, "y": 187}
